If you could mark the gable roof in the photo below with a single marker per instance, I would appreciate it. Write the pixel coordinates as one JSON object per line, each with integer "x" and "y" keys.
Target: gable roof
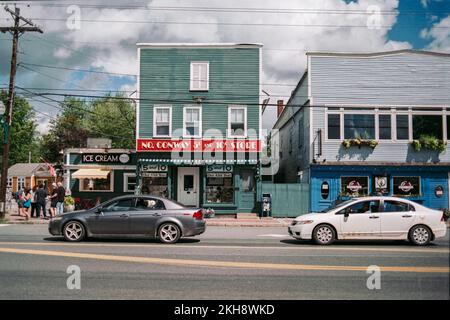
{"x": 25, "y": 169}
{"x": 374, "y": 54}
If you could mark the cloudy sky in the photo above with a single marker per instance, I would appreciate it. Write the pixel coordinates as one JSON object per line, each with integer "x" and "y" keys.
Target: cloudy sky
{"x": 103, "y": 40}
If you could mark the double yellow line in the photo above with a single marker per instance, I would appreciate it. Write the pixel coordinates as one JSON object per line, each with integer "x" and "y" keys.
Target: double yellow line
{"x": 220, "y": 264}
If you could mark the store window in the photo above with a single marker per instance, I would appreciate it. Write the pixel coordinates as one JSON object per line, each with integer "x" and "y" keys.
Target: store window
{"x": 155, "y": 183}
{"x": 334, "y": 126}
{"x": 406, "y": 186}
{"x": 97, "y": 184}
{"x": 192, "y": 121}
{"x": 430, "y": 125}
{"x": 384, "y": 122}
{"x": 359, "y": 126}
{"x": 219, "y": 187}
{"x": 354, "y": 186}
{"x": 381, "y": 185}
{"x": 162, "y": 117}
{"x": 248, "y": 180}
{"x": 402, "y": 127}
{"x": 237, "y": 121}
{"x": 129, "y": 182}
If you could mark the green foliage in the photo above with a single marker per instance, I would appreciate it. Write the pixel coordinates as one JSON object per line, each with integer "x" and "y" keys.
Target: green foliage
{"x": 23, "y": 131}
{"x": 69, "y": 201}
{"x": 347, "y": 143}
{"x": 429, "y": 142}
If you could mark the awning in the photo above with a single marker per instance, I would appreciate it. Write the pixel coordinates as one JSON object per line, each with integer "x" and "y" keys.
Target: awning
{"x": 197, "y": 162}
{"x": 91, "y": 174}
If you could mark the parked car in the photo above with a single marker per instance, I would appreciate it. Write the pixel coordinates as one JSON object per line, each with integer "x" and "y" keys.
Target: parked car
{"x": 372, "y": 218}
{"x": 152, "y": 216}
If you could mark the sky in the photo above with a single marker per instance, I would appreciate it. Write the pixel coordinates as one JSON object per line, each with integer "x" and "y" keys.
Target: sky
{"x": 103, "y": 39}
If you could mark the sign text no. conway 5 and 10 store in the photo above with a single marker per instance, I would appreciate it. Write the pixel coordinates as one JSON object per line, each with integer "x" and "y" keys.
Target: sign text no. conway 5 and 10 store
{"x": 198, "y": 145}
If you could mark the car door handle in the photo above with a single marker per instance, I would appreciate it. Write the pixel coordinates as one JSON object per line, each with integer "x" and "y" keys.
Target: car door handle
{"x": 407, "y": 216}
{"x": 374, "y": 217}
{"x": 157, "y": 214}
{"x": 124, "y": 215}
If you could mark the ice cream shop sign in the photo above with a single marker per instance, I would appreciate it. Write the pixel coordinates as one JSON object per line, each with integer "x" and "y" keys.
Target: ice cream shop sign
{"x": 111, "y": 158}
{"x": 198, "y": 145}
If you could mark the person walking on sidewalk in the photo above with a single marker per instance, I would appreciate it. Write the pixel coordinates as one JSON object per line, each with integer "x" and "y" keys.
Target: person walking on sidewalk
{"x": 41, "y": 197}
{"x": 53, "y": 200}
{"x": 33, "y": 203}
{"x": 61, "y": 193}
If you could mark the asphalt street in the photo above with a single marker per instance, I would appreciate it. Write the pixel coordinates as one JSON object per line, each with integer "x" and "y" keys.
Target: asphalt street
{"x": 223, "y": 263}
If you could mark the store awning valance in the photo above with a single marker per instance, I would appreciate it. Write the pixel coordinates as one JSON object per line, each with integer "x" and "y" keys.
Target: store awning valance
{"x": 91, "y": 174}
{"x": 197, "y": 162}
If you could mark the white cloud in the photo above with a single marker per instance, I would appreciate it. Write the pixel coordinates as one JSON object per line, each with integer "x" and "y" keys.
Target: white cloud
{"x": 440, "y": 35}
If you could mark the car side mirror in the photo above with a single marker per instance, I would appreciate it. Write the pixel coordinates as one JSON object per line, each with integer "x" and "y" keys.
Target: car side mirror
{"x": 346, "y": 214}
{"x": 98, "y": 210}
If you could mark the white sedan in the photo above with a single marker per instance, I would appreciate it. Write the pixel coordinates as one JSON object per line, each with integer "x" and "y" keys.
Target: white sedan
{"x": 372, "y": 218}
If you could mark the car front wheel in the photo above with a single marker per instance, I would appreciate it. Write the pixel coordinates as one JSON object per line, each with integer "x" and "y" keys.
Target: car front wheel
{"x": 324, "y": 234}
{"x": 74, "y": 231}
{"x": 169, "y": 233}
{"x": 420, "y": 235}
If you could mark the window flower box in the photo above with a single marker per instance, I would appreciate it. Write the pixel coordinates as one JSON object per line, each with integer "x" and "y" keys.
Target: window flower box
{"x": 347, "y": 143}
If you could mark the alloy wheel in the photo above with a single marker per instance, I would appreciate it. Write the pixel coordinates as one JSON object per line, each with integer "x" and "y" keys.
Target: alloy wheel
{"x": 420, "y": 235}
{"x": 168, "y": 233}
{"x": 73, "y": 231}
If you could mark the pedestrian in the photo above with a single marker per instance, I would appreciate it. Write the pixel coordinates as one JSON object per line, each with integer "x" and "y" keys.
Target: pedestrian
{"x": 26, "y": 203}
{"x": 19, "y": 199}
{"x": 41, "y": 196}
{"x": 33, "y": 202}
{"x": 53, "y": 200}
{"x": 61, "y": 194}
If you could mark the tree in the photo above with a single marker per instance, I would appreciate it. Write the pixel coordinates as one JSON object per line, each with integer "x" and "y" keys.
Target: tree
{"x": 67, "y": 131}
{"x": 23, "y": 131}
{"x": 113, "y": 118}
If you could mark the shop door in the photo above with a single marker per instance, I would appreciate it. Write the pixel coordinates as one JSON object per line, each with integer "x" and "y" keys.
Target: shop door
{"x": 247, "y": 192}
{"x": 188, "y": 186}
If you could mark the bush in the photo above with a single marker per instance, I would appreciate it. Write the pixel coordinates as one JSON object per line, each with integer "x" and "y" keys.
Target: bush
{"x": 430, "y": 143}
{"x": 69, "y": 201}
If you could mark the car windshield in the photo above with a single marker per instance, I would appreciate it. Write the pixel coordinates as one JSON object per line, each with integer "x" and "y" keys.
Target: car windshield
{"x": 338, "y": 205}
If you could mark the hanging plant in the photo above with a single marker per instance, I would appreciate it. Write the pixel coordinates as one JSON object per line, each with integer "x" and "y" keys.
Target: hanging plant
{"x": 430, "y": 143}
{"x": 347, "y": 143}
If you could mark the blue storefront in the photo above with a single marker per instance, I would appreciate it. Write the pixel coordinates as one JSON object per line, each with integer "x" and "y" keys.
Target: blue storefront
{"x": 425, "y": 184}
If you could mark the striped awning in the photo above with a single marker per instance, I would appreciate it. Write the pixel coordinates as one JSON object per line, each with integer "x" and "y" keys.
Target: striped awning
{"x": 91, "y": 174}
{"x": 198, "y": 162}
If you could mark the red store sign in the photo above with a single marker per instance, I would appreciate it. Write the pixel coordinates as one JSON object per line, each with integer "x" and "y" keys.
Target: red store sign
{"x": 198, "y": 145}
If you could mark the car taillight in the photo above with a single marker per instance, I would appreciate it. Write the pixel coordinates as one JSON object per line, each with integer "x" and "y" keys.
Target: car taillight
{"x": 198, "y": 215}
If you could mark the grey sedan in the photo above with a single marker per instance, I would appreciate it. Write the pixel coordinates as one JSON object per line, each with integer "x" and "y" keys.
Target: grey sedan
{"x": 151, "y": 216}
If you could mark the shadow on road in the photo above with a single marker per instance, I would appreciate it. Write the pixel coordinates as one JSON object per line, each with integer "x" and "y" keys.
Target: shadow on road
{"x": 118, "y": 240}
{"x": 357, "y": 242}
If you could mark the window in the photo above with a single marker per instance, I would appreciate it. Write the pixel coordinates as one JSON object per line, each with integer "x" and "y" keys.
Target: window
{"x": 20, "y": 183}
{"x": 402, "y": 127}
{"x": 149, "y": 204}
{"x": 199, "y": 76}
{"x": 359, "y": 126}
{"x": 362, "y": 207}
{"x": 237, "y": 121}
{"x": 427, "y": 125}
{"x": 334, "y": 126}
{"x": 162, "y": 121}
{"x": 384, "y": 123}
{"x": 448, "y": 127}
{"x": 120, "y": 205}
{"x": 129, "y": 182}
{"x": 9, "y": 183}
{"x": 219, "y": 187}
{"x": 248, "y": 180}
{"x": 155, "y": 183}
{"x": 406, "y": 186}
{"x": 396, "y": 206}
{"x": 354, "y": 186}
{"x": 192, "y": 121}
{"x": 87, "y": 185}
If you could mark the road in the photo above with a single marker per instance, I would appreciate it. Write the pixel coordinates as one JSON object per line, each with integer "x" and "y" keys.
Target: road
{"x": 223, "y": 263}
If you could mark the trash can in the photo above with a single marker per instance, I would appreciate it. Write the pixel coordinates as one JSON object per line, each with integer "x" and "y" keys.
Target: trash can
{"x": 266, "y": 205}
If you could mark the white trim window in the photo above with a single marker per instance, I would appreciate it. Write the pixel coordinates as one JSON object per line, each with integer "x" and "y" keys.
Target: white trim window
{"x": 199, "y": 79}
{"x": 162, "y": 121}
{"x": 192, "y": 121}
{"x": 20, "y": 183}
{"x": 98, "y": 185}
{"x": 9, "y": 182}
{"x": 129, "y": 182}
{"x": 237, "y": 121}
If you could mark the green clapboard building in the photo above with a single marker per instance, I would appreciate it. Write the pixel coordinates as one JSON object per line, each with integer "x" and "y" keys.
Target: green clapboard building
{"x": 198, "y": 124}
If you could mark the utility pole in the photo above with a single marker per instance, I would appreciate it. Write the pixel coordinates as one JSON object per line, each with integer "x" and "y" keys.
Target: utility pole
{"x": 17, "y": 30}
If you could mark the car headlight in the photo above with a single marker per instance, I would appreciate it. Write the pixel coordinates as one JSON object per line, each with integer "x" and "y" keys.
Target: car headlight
{"x": 305, "y": 221}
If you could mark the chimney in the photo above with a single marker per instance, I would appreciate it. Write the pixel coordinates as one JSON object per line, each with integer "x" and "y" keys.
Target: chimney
{"x": 280, "y": 107}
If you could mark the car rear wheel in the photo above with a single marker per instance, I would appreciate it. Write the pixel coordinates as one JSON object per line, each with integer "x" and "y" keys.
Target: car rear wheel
{"x": 169, "y": 233}
{"x": 420, "y": 235}
{"x": 74, "y": 231}
{"x": 324, "y": 234}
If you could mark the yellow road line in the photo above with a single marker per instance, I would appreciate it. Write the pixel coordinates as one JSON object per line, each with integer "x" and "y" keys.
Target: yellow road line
{"x": 299, "y": 247}
{"x": 226, "y": 264}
